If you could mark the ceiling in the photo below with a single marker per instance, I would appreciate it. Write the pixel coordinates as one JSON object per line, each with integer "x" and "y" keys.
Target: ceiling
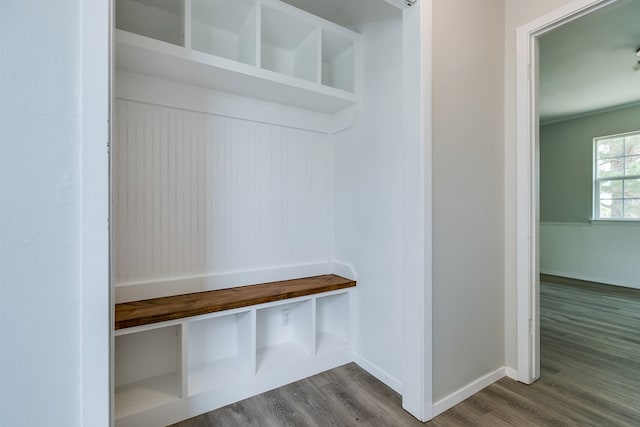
{"x": 588, "y": 64}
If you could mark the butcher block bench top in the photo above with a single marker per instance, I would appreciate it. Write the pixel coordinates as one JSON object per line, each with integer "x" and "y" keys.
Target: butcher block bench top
{"x": 144, "y": 312}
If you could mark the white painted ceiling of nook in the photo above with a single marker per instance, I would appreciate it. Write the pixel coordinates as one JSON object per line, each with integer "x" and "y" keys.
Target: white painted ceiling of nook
{"x": 588, "y": 64}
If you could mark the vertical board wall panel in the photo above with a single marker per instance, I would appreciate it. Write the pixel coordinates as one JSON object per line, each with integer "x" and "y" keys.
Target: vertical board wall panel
{"x": 197, "y": 194}
{"x": 605, "y": 252}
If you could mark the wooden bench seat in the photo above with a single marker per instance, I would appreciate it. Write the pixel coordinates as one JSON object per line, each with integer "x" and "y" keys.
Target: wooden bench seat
{"x": 137, "y": 313}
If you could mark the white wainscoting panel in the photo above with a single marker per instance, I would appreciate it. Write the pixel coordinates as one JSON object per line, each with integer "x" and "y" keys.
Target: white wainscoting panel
{"x": 197, "y": 194}
{"x": 605, "y": 252}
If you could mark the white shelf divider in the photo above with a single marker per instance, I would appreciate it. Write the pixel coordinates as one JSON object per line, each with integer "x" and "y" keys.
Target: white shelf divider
{"x": 184, "y": 359}
{"x": 253, "y": 350}
{"x": 188, "y": 24}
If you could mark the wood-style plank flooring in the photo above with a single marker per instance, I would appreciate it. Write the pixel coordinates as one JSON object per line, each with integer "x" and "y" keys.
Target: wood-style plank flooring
{"x": 590, "y": 376}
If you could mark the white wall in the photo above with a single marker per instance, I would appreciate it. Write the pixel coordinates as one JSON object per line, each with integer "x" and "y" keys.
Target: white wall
{"x": 517, "y": 13}
{"x": 603, "y": 252}
{"x": 40, "y": 213}
{"x": 468, "y": 205}
{"x": 368, "y": 199}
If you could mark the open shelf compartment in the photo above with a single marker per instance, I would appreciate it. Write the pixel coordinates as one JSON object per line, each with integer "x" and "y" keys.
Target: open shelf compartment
{"x": 220, "y": 351}
{"x": 157, "y": 19}
{"x": 290, "y": 45}
{"x": 332, "y": 322}
{"x": 225, "y": 28}
{"x": 283, "y": 335}
{"x": 338, "y": 61}
{"x": 148, "y": 369}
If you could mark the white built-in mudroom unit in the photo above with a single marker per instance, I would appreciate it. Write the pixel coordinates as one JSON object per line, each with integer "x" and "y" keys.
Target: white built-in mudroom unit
{"x": 262, "y": 141}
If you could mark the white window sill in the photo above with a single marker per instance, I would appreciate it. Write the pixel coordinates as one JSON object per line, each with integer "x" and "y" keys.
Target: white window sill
{"x": 616, "y": 221}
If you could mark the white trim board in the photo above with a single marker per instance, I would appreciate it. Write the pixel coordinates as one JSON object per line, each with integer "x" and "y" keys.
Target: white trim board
{"x": 469, "y": 390}
{"x": 95, "y": 293}
{"x": 587, "y": 278}
{"x": 416, "y": 148}
{"x": 527, "y": 172}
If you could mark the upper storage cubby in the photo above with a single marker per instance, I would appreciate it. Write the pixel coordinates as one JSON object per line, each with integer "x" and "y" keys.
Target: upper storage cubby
{"x": 289, "y": 45}
{"x": 225, "y": 28}
{"x": 157, "y": 19}
{"x": 338, "y": 61}
{"x": 262, "y": 49}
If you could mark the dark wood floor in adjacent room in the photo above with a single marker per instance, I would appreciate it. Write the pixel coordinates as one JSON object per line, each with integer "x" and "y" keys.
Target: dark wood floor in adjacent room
{"x": 590, "y": 376}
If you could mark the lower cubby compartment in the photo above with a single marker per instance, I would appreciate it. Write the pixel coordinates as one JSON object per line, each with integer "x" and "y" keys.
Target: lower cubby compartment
{"x": 220, "y": 351}
{"x": 147, "y": 370}
{"x": 283, "y": 335}
{"x": 332, "y": 323}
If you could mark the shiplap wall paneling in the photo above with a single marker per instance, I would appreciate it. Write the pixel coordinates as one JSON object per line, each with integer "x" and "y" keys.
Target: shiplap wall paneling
{"x": 605, "y": 252}
{"x": 197, "y": 194}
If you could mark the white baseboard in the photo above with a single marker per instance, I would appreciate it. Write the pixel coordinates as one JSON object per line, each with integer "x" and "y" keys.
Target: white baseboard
{"x": 379, "y": 373}
{"x": 467, "y": 391}
{"x": 512, "y": 373}
{"x": 586, "y": 278}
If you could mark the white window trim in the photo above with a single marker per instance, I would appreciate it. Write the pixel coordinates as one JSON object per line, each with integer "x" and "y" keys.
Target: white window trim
{"x": 595, "y": 185}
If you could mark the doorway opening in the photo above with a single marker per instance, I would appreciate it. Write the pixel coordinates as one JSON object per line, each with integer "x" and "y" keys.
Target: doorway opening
{"x": 531, "y": 108}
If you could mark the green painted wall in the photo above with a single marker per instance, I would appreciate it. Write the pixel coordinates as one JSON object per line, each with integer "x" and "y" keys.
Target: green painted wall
{"x": 566, "y": 150}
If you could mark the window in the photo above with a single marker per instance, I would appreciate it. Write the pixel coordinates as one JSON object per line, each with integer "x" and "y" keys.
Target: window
{"x": 616, "y": 184}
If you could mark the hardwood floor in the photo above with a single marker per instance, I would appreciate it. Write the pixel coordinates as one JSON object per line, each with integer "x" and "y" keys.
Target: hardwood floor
{"x": 590, "y": 376}
{"x": 344, "y": 396}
